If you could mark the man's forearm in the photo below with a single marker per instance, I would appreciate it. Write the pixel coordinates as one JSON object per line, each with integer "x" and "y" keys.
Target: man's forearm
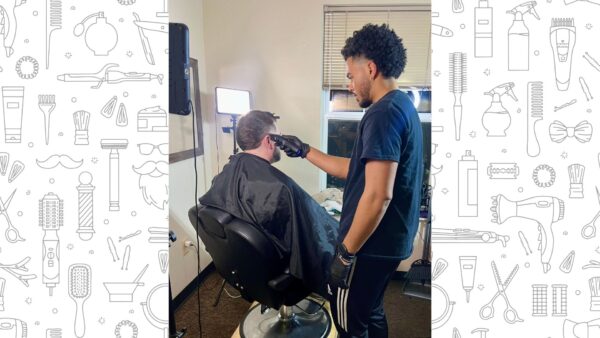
{"x": 333, "y": 165}
{"x": 369, "y": 212}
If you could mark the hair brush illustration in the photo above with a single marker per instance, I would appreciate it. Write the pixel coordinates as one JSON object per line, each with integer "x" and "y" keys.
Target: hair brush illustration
{"x": 80, "y": 288}
{"x": 458, "y": 85}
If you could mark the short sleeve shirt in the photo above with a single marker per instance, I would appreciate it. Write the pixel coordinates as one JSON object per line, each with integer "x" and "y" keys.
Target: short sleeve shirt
{"x": 390, "y": 130}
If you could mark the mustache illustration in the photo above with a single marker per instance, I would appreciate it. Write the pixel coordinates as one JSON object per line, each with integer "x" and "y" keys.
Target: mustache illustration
{"x": 154, "y": 169}
{"x": 54, "y": 160}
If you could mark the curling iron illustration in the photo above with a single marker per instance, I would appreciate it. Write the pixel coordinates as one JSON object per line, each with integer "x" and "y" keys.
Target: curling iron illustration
{"x": 439, "y": 235}
{"x": 562, "y": 40}
{"x": 109, "y": 76}
{"x": 544, "y": 210}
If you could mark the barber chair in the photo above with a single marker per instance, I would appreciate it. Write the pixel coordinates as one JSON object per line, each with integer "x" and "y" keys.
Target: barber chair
{"x": 245, "y": 257}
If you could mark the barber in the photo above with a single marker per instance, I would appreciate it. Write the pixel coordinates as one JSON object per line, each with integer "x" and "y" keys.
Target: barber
{"x": 380, "y": 210}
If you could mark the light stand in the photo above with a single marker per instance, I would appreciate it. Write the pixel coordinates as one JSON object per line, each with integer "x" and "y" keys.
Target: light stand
{"x": 228, "y": 130}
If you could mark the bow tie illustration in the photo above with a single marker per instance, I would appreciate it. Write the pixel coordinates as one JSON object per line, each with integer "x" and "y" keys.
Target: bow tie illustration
{"x": 582, "y": 131}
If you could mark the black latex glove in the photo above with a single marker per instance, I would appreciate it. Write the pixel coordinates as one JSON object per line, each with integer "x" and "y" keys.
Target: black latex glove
{"x": 341, "y": 267}
{"x": 291, "y": 145}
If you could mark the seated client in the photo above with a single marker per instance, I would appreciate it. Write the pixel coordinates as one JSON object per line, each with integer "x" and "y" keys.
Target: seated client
{"x": 251, "y": 189}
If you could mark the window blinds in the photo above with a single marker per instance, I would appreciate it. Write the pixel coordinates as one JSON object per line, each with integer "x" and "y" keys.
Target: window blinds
{"x": 412, "y": 23}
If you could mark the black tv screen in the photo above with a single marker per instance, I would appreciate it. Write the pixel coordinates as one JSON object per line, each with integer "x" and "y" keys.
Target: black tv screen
{"x": 179, "y": 71}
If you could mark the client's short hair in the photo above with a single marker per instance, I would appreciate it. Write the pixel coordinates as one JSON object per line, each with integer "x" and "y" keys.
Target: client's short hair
{"x": 252, "y": 127}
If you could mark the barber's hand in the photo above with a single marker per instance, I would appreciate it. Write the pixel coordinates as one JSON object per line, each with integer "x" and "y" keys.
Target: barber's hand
{"x": 341, "y": 267}
{"x": 291, "y": 145}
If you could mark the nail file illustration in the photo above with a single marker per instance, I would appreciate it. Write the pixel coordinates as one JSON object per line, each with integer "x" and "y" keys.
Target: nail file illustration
{"x": 16, "y": 271}
{"x": 109, "y": 76}
{"x": 458, "y": 85}
{"x": 80, "y": 289}
{"x": 53, "y": 22}
{"x": 589, "y": 230}
{"x": 440, "y": 235}
{"x": 51, "y": 219}
{"x": 544, "y": 210}
{"x": 11, "y": 234}
{"x": 441, "y": 31}
{"x": 114, "y": 145}
{"x": 467, "y": 186}
{"x": 46, "y": 103}
{"x": 12, "y": 107}
{"x": 559, "y": 300}
{"x": 9, "y": 23}
{"x": 123, "y": 291}
{"x": 81, "y": 119}
{"x": 585, "y": 89}
{"x": 496, "y": 118}
{"x": 113, "y": 249}
{"x": 576, "y": 172}
{"x": 85, "y": 201}
{"x": 525, "y": 243}
{"x": 582, "y": 132}
{"x": 510, "y": 314}
{"x": 562, "y": 40}
{"x": 518, "y": 36}
{"x": 484, "y": 30}
{"x": 125, "y": 263}
{"x": 540, "y": 300}
{"x": 535, "y": 113}
{"x": 100, "y": 37}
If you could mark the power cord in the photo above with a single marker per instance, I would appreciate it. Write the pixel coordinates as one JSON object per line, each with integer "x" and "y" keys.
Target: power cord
{"x": 196, "y": 204}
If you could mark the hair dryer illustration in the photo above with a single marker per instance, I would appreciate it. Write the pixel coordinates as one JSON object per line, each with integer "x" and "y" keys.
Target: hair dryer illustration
{"x": 545, "y": 210}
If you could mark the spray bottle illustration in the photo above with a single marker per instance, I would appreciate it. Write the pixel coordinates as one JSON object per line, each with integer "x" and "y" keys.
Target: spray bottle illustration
{"x": 51, "y": 219}
{"x": 562, "y": 40}
{"x": 518, "y": 36}
{"x": 496, "y": 118}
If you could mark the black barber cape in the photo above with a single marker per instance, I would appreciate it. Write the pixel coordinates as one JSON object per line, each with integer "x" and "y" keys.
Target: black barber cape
{"x": 251, "y": 189}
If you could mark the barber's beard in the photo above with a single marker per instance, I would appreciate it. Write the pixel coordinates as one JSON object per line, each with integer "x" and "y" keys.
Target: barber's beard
{"x": 155, "y": 190}
{"x": 276, "y": 155}
{"x": 364, "y": 97}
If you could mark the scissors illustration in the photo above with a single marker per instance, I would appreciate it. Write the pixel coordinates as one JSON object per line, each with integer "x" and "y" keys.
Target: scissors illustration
{"x": 11, "y": 234}
{"x": 589, "y": 230}
{"x": 510, "y": 314}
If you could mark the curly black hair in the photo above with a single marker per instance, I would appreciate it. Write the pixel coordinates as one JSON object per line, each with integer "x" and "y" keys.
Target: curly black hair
{"x": 379, "y": 44}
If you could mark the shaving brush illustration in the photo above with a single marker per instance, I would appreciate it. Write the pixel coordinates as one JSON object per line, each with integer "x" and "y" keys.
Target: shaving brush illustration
{"x": 496, "y": 118}
{"x": 535, "y": 113}
{"x": 81, "y": 119}
{"x": 562, "y": 40}
{"x": 576, "y": 172}
{"x": 458, "y": 85}
{"x": 80, "y": 288}
{"x": 544, "y": 210}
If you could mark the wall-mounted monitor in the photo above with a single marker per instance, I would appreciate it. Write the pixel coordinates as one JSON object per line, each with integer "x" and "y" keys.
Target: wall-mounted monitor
{"x": 232, "y": 101}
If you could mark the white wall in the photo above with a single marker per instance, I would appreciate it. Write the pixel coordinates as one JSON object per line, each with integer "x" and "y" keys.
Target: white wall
{"x": 183, "y": 261}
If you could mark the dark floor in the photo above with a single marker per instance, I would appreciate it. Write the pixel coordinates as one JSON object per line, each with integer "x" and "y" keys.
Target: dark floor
{"x": 407, "y": 317}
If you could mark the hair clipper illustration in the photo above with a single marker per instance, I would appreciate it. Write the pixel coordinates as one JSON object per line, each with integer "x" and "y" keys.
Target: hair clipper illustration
{"x": 562, "y": 40}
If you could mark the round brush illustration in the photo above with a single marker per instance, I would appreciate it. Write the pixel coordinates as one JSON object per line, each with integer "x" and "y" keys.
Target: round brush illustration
{"x": 458, "y": 85}
{"x": 80, "y": 288}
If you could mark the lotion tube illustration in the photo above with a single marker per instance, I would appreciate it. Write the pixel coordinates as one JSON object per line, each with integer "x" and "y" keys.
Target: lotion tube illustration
{"x": 562, "y": 40}
{"x": 12, "y": 105}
